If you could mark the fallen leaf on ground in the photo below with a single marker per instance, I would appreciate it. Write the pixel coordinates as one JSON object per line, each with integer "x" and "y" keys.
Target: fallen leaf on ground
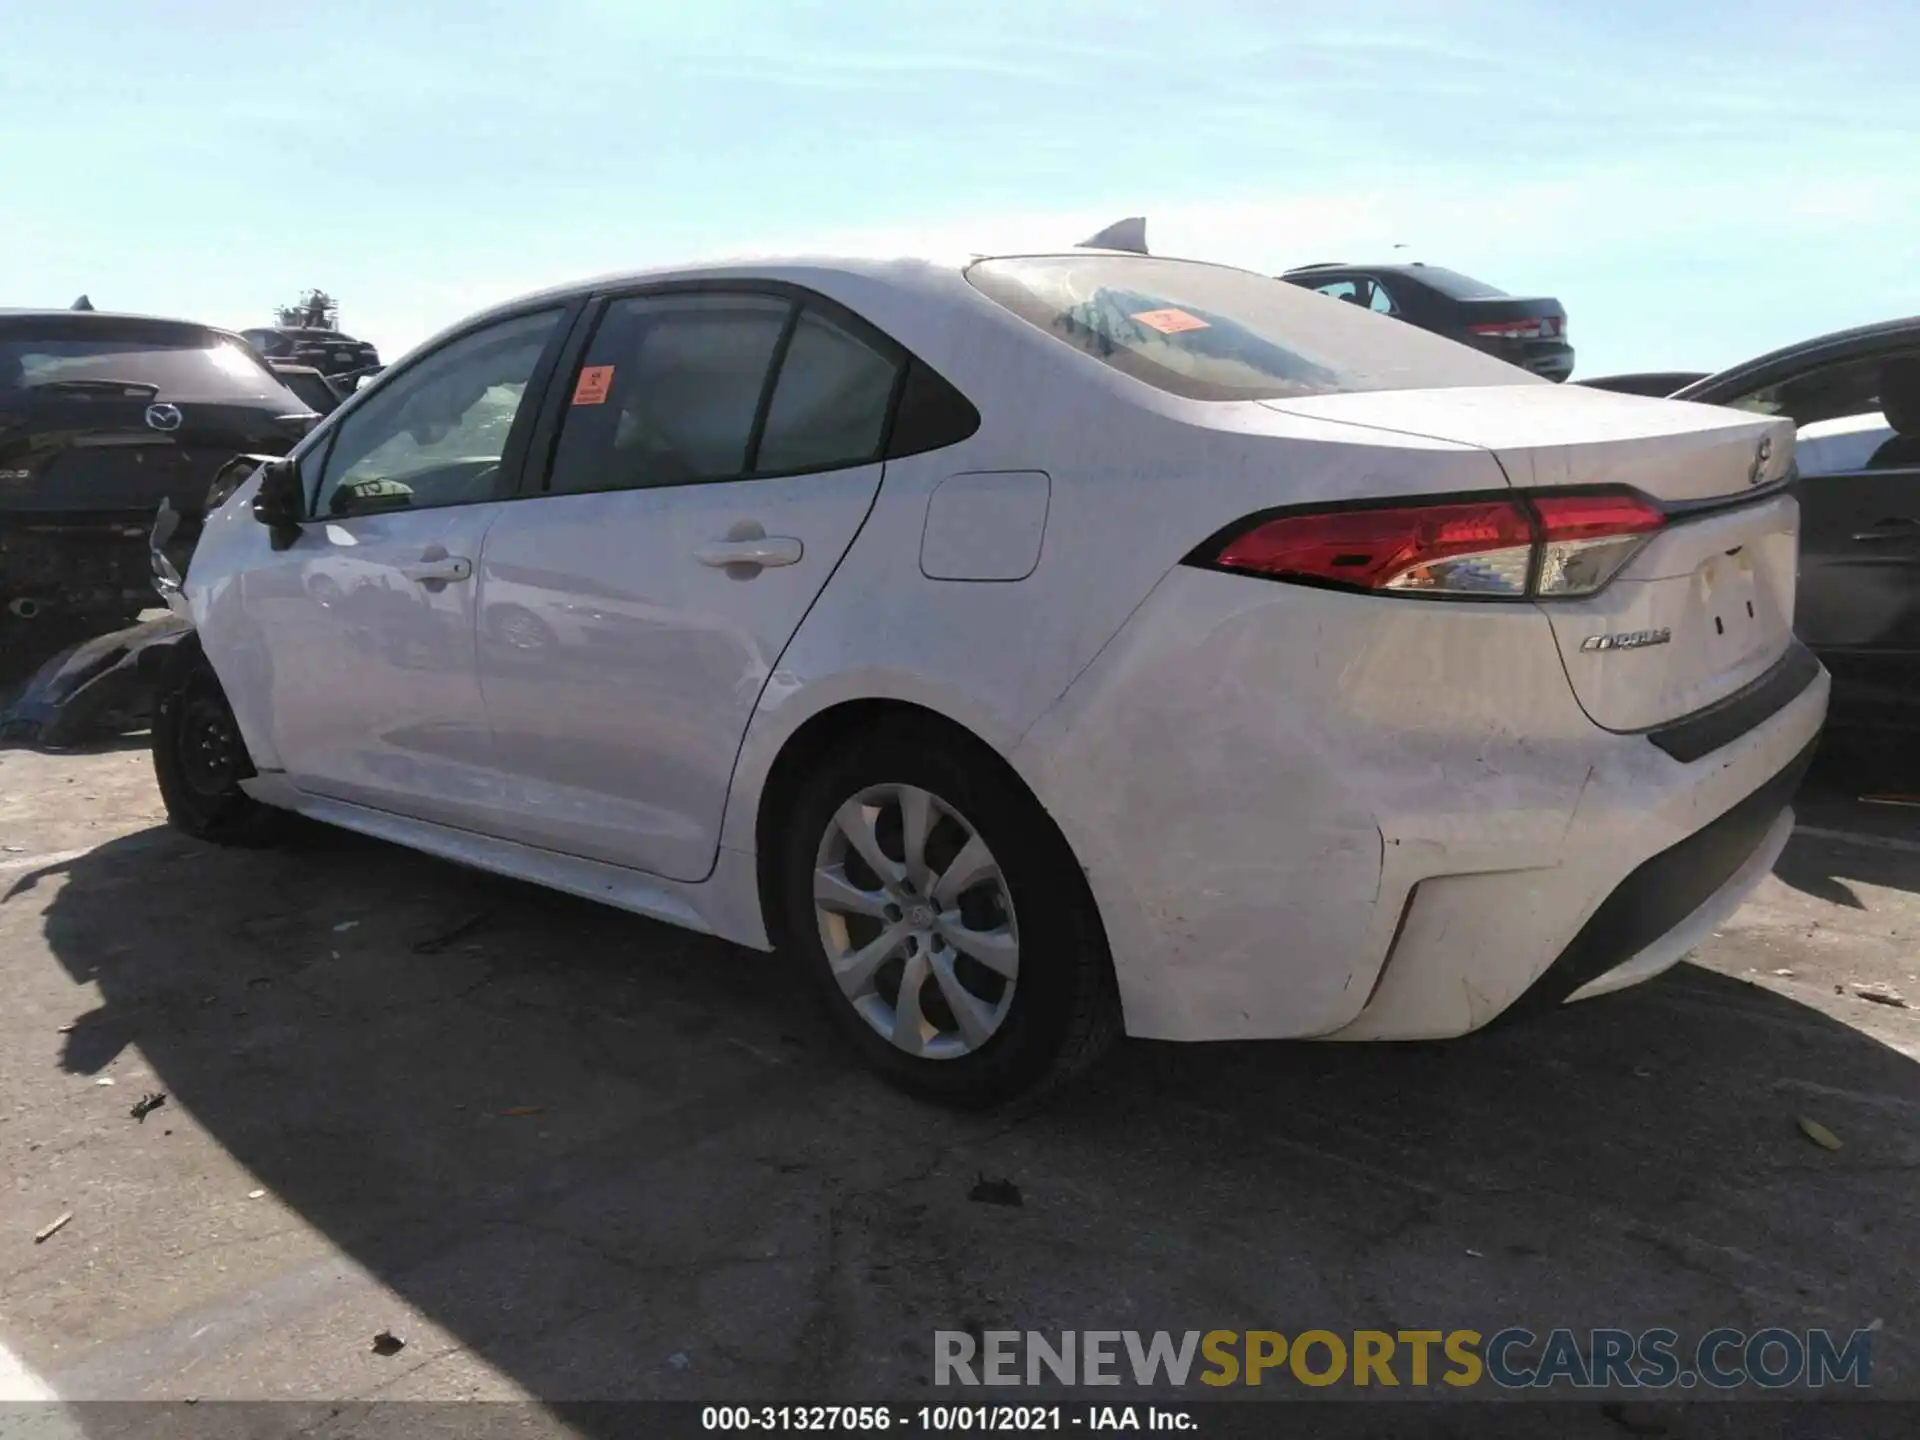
{"x": 46, "y": 1233}
{"x": 996, "y": 1192}
{"x": 1819, "y": 1134}
{"x": 521, "y": 1110}
{"x": 388, "y": 1343}
{"x": 255, "y": 1194}
{"x": 1881, "y": 995}
{"x": 147, "y": 1104}
{"x": 1784, "y": 974}
{"x": 679, "y": 1360}
{"x": 344, "y": 926}
{"x": 104, "y": 1080}
{"x": 67, "y": 1029}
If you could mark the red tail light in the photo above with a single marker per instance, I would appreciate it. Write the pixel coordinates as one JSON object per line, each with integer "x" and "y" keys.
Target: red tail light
{"x": 1532, "y": 327}
{"x": 1505, "y": 547}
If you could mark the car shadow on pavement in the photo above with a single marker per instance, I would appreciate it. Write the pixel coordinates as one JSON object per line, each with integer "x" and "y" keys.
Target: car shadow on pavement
{"x": 611, "y": 1160}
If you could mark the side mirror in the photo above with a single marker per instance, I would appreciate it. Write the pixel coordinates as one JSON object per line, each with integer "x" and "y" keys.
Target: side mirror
{"x": 280, "y": 504}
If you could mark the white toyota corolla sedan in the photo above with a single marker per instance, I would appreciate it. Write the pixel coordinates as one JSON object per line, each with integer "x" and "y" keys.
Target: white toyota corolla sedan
{"x": 1033, "y": 648}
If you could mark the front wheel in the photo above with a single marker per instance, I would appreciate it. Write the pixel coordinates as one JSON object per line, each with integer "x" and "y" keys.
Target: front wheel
{"x": 199, "y": 760}
{"x": 944, "y": 920}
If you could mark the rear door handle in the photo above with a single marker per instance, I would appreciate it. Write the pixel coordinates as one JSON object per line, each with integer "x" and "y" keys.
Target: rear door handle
{"x": 441, "y": 570}
{"x": 760, "y": 553}
{"x": 1898, "y": 527}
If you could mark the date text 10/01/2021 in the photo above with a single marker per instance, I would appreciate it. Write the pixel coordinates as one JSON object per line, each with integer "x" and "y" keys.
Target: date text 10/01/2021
{"x": 943, "y": 1419}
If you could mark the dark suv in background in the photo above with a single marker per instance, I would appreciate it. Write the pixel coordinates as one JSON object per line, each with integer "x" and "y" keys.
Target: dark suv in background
{"x": 1528, "y": 332}
{"x": 328, "y": 351}
{"x": 101, "y": 418}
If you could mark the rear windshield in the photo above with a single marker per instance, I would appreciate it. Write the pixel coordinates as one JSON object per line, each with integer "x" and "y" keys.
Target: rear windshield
{"x": 1206, "y": 332}
{"x": 1456, "y": 285}
{"x": 180, "y": 365}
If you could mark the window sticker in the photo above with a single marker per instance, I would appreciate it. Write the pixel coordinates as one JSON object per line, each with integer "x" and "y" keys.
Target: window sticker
{"x": 1169, "y": 322}
{"x": 595, "y": 382}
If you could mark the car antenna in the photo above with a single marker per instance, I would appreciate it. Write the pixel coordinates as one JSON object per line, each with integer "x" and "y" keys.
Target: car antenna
{"x": 1129, "y": 234}
{"x": 83, "y": 303}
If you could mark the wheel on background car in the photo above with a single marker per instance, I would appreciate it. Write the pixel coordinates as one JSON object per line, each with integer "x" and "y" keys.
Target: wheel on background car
{"x": 944, "y": 920}
{"x": 199, "y": 759}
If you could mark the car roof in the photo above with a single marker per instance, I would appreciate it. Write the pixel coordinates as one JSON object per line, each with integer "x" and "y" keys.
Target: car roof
{"x": 1411, "y": 269}
{"x": 79, "y": 321}
{"x": 927, "y": 276}
{"x": 1833, "y": 345}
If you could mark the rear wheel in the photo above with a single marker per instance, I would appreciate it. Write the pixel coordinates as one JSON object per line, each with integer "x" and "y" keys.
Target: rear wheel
{"x": 199, "y": 759}
{"x": 946, "y": 925}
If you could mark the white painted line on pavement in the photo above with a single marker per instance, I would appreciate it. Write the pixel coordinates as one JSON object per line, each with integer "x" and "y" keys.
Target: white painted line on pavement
{"x": 1853, "y": 837}
{"x": 18, "y": 1383}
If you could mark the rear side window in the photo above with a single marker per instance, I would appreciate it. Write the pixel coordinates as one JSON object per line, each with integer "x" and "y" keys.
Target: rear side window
{"x": 1206, "y": 332}
{"x": 830, "y": 403}
{"x": 180, "y": 365}
{"x": 686, "y": 389}
{"x": 668, "y": 392}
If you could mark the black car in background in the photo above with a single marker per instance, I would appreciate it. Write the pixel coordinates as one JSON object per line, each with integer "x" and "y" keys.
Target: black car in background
{"x": 1855, "y": 398}
{"x": 328, "y": 351}
{"x": 101, "y": 418}
{"x": 1528, "y": 332}
{"x": 322, "y": 394}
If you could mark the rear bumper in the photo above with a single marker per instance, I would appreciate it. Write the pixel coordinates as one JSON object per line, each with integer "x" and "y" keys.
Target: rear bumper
{"x": 1549, "y": 359}
{"x": 98, "y": 563}
{"x": 1673, "y": 901}
{"x": 1658, "y": 854}
{"x": 1314, "y": 815}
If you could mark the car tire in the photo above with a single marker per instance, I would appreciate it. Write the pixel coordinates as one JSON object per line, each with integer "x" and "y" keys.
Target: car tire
{"x": 199, "y": 760}
{"x": 1028, "y": 1031}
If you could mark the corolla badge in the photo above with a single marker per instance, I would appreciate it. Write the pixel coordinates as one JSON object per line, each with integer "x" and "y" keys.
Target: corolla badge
{"x": 1760, "y": 459}
{"x": 164, "y": 416}
{"x": 1627, "y": 639}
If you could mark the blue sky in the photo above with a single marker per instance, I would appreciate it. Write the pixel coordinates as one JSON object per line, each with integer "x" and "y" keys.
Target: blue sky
{"x": 1696, "y": 182}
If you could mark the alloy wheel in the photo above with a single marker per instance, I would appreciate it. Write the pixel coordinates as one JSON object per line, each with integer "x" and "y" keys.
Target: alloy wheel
{"x": 916, "y": 921}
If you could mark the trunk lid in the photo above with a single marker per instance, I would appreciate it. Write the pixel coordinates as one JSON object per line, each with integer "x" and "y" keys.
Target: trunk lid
{"x": 1706, "y": 607}
{"x": 1546, "y": 436}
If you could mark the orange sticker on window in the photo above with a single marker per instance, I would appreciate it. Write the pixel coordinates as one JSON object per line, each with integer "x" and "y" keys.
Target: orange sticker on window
{"x": 595, "y": 381}
{"x": 1170, "y": 322}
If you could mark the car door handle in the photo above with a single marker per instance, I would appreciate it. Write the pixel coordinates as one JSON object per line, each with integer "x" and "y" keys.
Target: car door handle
{"x": 761, "y": 552}
{"x": 1899, "y": 527}
{"x": 442, "y": 569}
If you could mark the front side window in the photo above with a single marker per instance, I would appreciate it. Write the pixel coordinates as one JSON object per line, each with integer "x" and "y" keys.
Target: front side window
{"x": 1341, "y": 290}
{"x": 1206, "y": 332}
{"x": 1856, "y": 415}
{"x": 435, "y": 433}
{"x": 668, "y": 392}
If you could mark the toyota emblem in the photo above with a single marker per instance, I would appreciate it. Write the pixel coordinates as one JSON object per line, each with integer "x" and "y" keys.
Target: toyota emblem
{"x": 1760, "y": 459}
{"x": 164, "y": 416}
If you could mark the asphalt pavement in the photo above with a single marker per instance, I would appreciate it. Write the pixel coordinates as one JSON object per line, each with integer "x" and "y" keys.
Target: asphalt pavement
{"x": 560, "y": 1152}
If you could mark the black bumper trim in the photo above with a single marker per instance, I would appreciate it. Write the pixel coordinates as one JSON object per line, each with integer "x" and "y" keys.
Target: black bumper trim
{"x": 1665, "y": 890}
{"x": 1724, "y": 721}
